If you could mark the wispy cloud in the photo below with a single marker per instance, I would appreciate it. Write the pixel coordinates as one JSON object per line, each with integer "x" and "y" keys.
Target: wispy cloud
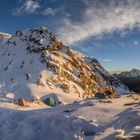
{"x": 101, "y": 18}
{"x": 105, "y": 59}
{"x": 49, "y": 11}
{"x": 29, "y": 6}
{"x": 136, "y": 42}
{"x": 52, "y": 11}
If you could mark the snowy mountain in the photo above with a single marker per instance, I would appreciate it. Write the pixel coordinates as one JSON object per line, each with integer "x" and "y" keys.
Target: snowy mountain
{"x": 4, "y": 37}
{"x": 131, "y": 79}
{"x": 130, "y": 74}
{"x": 34, "y": 63}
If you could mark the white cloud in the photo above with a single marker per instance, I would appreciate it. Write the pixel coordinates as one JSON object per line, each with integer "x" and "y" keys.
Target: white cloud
{"x": 136, "y": 42}
{"x": 29, "y": 6}
{"x": 51, "y": 12}
{"x": 104, "y": 19}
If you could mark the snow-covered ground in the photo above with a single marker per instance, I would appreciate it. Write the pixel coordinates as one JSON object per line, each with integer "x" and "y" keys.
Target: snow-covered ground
{"x": 91, "y": 119}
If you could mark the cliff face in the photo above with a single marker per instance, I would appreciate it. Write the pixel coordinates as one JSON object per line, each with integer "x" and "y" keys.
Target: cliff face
{"x": 34, "y": 63}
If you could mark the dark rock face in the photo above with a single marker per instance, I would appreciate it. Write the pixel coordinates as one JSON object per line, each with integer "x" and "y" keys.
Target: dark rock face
{"x": 106, "y": 94}
{"x": 132, "y": 82}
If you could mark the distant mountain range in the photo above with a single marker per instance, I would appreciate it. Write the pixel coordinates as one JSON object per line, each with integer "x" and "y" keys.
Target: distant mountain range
{"x": 131, "y": 79}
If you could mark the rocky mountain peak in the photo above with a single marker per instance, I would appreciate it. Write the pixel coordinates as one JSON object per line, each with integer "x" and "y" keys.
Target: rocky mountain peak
{"x": 135, "y": 70}
{"x": 4, "y": 35}
{"x": 34, "y": 63}
{"x": 130, "y": 74}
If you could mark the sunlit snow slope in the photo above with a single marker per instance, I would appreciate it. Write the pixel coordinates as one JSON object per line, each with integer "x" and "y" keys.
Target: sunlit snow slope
{"x": 34, "y": 63}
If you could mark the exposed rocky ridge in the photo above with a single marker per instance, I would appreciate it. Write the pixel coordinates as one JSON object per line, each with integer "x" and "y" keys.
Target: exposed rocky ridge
{"x": 34, "y": 63}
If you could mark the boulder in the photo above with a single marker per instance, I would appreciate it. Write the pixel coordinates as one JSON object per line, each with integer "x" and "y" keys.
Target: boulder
{"x": 22, "y": 102}
{"x": 106, "y": 95}
{"x": 109, "y": 94}
{"x": 100, "y": 95}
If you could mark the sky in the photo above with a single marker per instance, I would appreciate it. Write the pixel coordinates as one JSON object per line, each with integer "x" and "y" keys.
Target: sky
{"x": 108, "y": 30}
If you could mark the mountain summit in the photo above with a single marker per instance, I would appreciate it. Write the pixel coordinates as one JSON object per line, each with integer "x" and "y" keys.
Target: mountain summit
{"x": 4, "y": 37}
{"x": 130, "y": 74}
{"x": 34, "y": 63}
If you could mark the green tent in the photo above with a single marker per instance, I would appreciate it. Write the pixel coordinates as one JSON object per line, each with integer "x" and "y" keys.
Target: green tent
{"x": 49, "y": 101}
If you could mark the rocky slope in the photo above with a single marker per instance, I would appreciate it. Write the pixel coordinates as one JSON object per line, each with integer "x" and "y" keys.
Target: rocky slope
{"x": 34, "y": 63}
